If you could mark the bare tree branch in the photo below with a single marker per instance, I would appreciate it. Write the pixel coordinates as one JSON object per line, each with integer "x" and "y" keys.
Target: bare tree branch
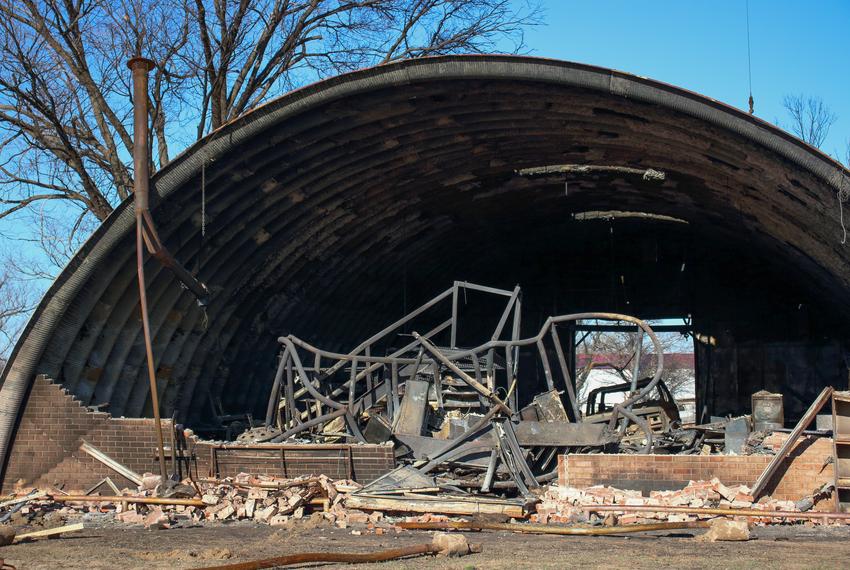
{"x": 65, "y": 94}
{"x": 811, "y": 119}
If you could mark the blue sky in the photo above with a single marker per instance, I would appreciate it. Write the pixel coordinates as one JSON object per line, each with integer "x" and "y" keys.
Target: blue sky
{"x": 797, "y": 47}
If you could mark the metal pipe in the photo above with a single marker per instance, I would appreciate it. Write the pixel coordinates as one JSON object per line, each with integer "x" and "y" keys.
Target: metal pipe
{"x": 123, "y": 499}
{"x": 470, "y": 381}
{"x": 344, "y": 557}
{"x": 141, "y": 175}
{"x": 274, "y": 398}
{"x": 307, "y": 425}
{"x": 548, "y": 529}
{"x": 568, "y": 380}
{"x": 708, "y": 511}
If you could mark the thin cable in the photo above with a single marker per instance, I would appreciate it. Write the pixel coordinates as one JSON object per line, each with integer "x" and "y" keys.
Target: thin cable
{"x": 203, "y": 199}
{"x": 842, "y": 194}
{"x": 749, "y": 62}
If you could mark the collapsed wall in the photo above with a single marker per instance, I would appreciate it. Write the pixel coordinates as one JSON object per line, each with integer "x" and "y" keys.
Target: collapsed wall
{"x": 47, "y": 452}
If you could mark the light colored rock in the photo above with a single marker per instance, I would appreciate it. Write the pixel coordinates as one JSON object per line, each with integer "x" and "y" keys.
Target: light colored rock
{"x": 726, "y": 530}
{"x": 7, "y": 535}
{"x": 450, "y": 544}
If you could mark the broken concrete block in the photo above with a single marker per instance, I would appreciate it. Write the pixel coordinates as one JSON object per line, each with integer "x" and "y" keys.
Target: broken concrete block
{"x": 130, "y": 517}
{"x": 226, "y": 512}
{"x": 150, "y": 482}
{"x": 250, "y": 505}
{"x": 264, "y": 514}
{"x": 726, "y": 530}
{"x": 724, "y": 491}
{"x": 210, "y": 499}
{"x": 295, "y": 500}
{"x": 156, "y": 519}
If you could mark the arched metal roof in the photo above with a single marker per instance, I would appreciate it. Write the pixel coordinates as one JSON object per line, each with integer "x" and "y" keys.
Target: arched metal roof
{"x": 320, "y": 201}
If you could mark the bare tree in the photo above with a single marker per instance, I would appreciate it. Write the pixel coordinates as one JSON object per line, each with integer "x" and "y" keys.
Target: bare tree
{"x": 615, "y": 352}
{"x": 65, "y": 104}
{"x": 16, "y": 301}
{"x": 811, "y": 119}
{"x": 252, "y": 49}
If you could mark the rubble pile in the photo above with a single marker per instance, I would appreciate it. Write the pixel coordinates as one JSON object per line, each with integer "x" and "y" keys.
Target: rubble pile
{"x": 569, "y": 505}
{"x": 261, "y": 499}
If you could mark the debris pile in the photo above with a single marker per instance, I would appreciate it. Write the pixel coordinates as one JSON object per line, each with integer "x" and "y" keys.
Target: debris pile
{"x": 699, "y": 500}
{"x": 261, "y": 499}
{"x": 464, "y": 415}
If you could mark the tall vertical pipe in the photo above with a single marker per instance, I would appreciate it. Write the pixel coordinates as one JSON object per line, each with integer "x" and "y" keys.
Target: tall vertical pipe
{"x": 141, "y": 176}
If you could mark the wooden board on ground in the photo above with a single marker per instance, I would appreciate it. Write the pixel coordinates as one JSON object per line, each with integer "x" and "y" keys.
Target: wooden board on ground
{"x": 50, "y": 532}
{"x": 447, "y": 505}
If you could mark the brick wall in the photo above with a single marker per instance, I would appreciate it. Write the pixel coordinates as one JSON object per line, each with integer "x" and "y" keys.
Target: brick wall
{"x": 802, "y": 472}
{"x": 363, "y": 462}
{"x": 46, "y": 450}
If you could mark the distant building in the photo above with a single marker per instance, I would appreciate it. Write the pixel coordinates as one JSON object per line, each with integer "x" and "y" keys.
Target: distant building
{"x": 679, "y": 375}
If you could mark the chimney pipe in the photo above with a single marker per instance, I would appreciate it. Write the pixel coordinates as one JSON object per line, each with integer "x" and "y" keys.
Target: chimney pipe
{"x": 141, "y": 161}
{"x": 141, "y": 175}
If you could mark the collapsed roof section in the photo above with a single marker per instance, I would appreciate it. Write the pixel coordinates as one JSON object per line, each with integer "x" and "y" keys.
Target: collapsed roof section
{"x": 337, "y": 205}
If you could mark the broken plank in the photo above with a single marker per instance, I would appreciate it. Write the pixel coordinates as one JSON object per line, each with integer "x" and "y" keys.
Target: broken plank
{"x": 50, "y": 532}
{"x": 128, "y": 499}
{"x": 32, "y": 496}
{"x": 443, "y": 505}
{"x": 786, "y": 448}
{"x": 111, "y": 463}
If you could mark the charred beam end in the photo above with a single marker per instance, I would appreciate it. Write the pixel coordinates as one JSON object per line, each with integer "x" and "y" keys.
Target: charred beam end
{"x": 648, "y": 174}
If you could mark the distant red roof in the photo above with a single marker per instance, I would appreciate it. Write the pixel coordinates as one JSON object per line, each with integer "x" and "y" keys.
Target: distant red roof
{"x": 674, "y": 360}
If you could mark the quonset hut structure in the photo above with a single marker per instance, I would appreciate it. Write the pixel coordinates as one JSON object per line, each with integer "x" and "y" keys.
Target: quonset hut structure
{"x": 332, "y": 210}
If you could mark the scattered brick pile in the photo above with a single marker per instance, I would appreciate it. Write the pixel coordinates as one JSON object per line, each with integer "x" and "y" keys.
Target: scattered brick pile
{"x": 262, "y": 499}
{"x": 563, "y": 504}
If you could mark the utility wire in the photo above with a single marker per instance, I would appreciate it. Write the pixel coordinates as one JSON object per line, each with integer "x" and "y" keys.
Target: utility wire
{"x": 749, "y": 61}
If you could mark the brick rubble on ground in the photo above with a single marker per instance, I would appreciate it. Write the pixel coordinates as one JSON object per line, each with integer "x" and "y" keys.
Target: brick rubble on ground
{"x": 262, "y": 499}
{"x": 563, "y": 504}
{"x": 278, "y": 501}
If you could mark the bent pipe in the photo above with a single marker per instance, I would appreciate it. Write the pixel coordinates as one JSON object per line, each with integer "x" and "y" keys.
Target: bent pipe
{"x": 56, "y": 321}
{"x": 644, "y": 425}
{"x": 307, "y": 425}
{"x": 274, "y": 397}
{"x": 290, "y": 342}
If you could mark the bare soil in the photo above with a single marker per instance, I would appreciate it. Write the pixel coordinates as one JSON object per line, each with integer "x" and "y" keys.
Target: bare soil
{"x": 108, "y": 546}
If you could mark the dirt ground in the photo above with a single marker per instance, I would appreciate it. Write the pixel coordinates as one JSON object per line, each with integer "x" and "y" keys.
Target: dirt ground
{"x": 108, "y": 546}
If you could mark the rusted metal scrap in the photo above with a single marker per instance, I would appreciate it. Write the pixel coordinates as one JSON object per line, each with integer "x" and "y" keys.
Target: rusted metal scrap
{"x": 455, "y": 412}
{"x": 441, "y": 545}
